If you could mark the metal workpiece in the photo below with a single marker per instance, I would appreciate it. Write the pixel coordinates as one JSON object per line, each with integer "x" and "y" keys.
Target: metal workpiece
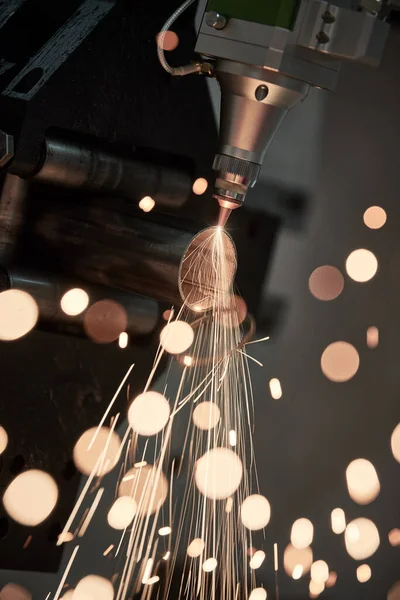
{"x": 111, "y": 244}
{"x": 76, "y": 165}
{"x": 343, "y": 33}
{"x": 6, "y": 148}
{"x": 48, "y": 288}
{"x": 249, "y": 121}
{"x": 13, "y": 197}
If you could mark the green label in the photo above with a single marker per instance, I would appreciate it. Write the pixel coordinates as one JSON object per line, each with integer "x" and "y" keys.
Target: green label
{"x": 277, "y": 13}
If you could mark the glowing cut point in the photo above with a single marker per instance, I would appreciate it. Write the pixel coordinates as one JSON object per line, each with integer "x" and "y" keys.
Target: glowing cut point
{"x": 218, "y": 473}
{"x": 372, "y": 337}
{"x": 361, "y": 265}
{"x": 255, "y": 512}
{"x": 368, "y": 540}
{"x": 3, "y": 439}
{"x": 18, "y": 314}
{"x": 338, "y": 520}
{"x": 123, "y": 340}
{"x": 293, "y": 557}
{"x": 148, "y": 486}
{"x": 74, "y": 302}
{"x": 319, "y": 573}
{"x": 149, "y": 413}
{"x": 147, "y": 204}
{"x": 258, "y": 594}
{"x": 302, "y": 533}
{"x": 210, "y": 564}
{"x": 164, "y": 531}
{"x": 363, "y": 573}
{"x": 326, "y": 283}
{"x": 395, "y": 443}
{"x": 106, "y": 445}
{"x": 362, "y": 481}
{"x": 176, "y": 337}
{"x": 31, "y": 497}
{"x": 275, "y": 388}
{"x": 196, "y": 548}
{"x": 232, "y": 437}
{"x": 206, "y": 415}
{"x": 340, "y": 361}
{"x": 316, "y": 587}
{"x": 375, "y": 217}
{"x": 394, "y": 537}
{"x": 122, "y": 512}
{"x": 332, "y": 579}
{"x": 257, "y": 560}
{"x": 200, "y": 186}
{"x": 93, "y": 587}
{"x": 297, "y": 571}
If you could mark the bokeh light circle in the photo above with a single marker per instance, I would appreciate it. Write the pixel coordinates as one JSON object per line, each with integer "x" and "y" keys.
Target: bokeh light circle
{"x": 104, "y": 321}
{"x": 319, "y": 572}
{"x": 218, "y": 473}
{"x": 395, "y": 442}
{"x": 363, "y": 573}
{"x": 302, "y": 533}
{"x": 210, "y": 565}
{"x": 176, "y": 337}
{"x": 13, "y": 591}
{"x": 149, "y": 413}
{"x": 122, "y": 512}
{"x": 200, "y": 186}
{"x": 93, "y": 587}
{"x": 293, "y": 557}
{"x": 362, "y": 481}
{"x": 74, "y": 302}
{"x": 206, "y": 415}
{"x": 3, "y": 439}
{"x": 85, "y": 457}
{"x": 332, "y": 579}
{"x": 394, "y": 592}
{"x": 366, "y": 543}
{"x": 372, "y": 336}
{"x": 167, "y": 40}
{"x": 147, "y": 204}
{"x": 255, "y": 512}
{"x": 195, "y": 548}
{"x": 326, "y": 283}
{"x": 394, "y": 537}
{"x": 375, "y": 217}
{"x": 361, "y": 265}
{"x": 258, "y": 594}
{"x": 18, "y": 314}
{"x": 148, "y": 487}
{"x": 31, "y": 497}
{"x": 338, "y": 520}
{"x": 340, "y": 361}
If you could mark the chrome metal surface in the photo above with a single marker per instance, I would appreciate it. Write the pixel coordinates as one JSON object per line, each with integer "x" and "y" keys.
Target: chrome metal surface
{"x": 215, "y": 20}
{"x": 6, "y": 148}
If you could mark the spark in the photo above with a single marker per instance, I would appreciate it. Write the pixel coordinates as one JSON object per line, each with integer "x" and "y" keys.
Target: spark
{"x": 276, "y": 565}
{"x": 108, "y": 550}
{"x": 91, "y": 512}
{"x": 167, "y": 555}
{"x": 66, "y": 572}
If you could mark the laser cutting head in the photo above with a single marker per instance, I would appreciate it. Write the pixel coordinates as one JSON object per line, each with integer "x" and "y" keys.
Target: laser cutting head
{"x": 267, "y": 56}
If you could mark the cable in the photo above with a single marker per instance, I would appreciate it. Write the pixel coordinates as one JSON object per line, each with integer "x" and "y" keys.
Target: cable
{"x": 186, "y": 69}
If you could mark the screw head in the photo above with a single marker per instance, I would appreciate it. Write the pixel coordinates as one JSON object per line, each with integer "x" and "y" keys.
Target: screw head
{"x": 322, "y": 37}
{"x": 261, "y": 92}
{"x": 216, "y": 20}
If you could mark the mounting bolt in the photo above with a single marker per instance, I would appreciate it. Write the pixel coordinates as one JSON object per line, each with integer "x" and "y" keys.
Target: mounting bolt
{"x": 216, "y": 20}
{"x": 322, "y": 37}
{"x": 261, "y": 93}
{"x": 6, "y": 148}
{"x": 328, "y": 17}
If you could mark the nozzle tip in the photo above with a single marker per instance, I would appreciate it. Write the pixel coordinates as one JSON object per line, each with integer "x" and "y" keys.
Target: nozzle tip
{"x": 224, "y": 214}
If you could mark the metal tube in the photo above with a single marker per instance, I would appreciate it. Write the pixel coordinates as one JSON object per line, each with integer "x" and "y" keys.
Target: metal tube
{"x": 73, "y": 164}
{"x": 116, "y": 247}
{"x": 48, "y": 289}
{"x": 12, "y": 213}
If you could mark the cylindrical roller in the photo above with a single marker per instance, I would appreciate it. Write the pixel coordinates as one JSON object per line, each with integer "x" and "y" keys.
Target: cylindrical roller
{"x": 12, "y": 213}
{"x": 73, "y": 164}
{"x": 48, "y": 290}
